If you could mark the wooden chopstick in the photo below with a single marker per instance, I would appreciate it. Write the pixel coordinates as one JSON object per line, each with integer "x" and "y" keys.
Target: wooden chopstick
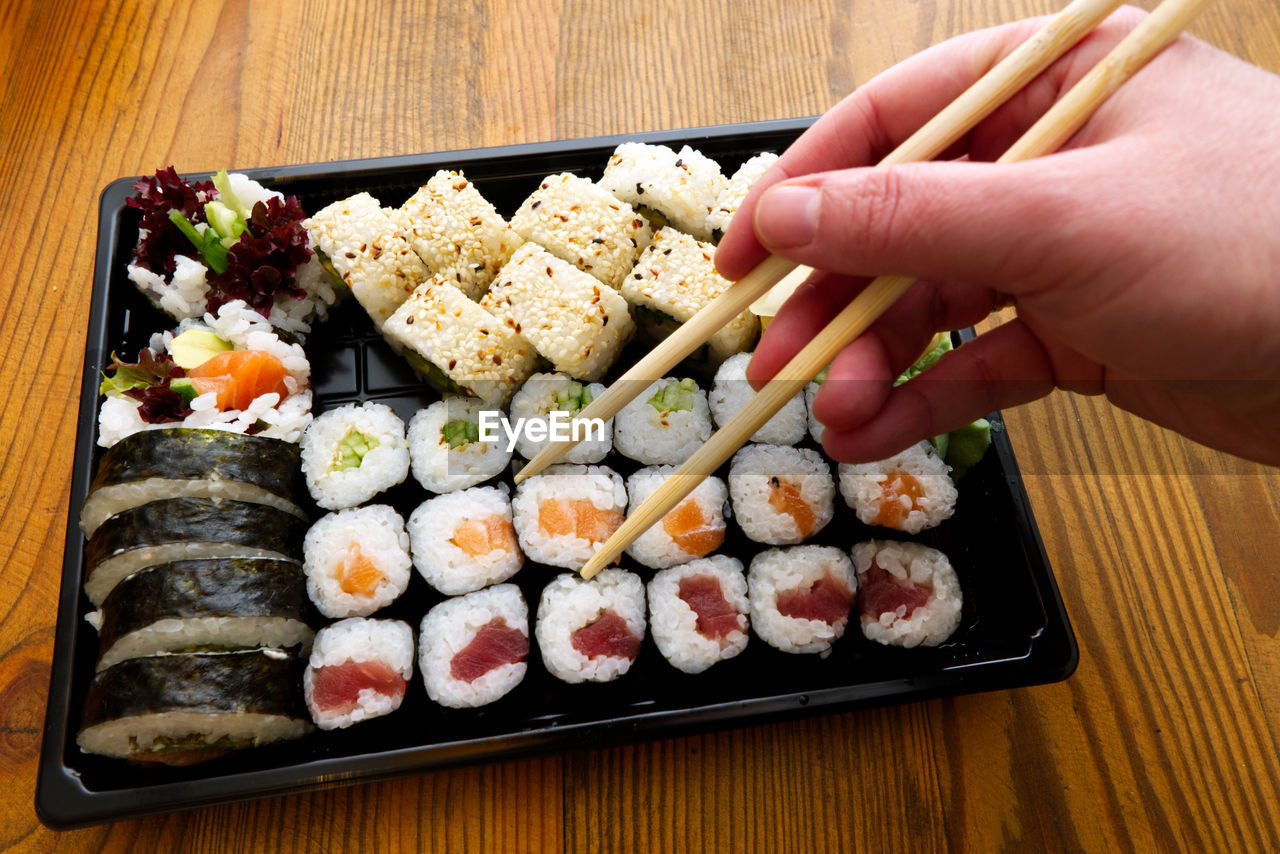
{"x": 1051, "y": 131}
{"x": 954, "y": 121}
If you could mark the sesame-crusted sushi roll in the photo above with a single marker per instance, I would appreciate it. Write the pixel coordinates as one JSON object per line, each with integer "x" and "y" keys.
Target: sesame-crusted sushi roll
{"x": 730, "y": 391}
{"x": 472, "y": 649}
{"x": 692, "y": 529}
{"x": 565, "y": 514}
{"x": 352, "y": 453}
{"x": 457, "y": 232}
{"x": 583, "y": 223}
{"x": 368, "y": 248}
{"x": 356, "y": 561}
{"x": 679, "y": 188}
{"x": 674, "y": 279}
{"x": 698, "y": 612}
{"x": 465, "y": 540}
{"x": 665, "y": 424}
{"x": 801, "y": 596}
{"x": 781, "y": 495}
{"x": 573, "y": 320}
{"x": 459, "y": 346}
{"x": 445, "y": 448}
{"x": 548, "y": 405}
{"x": 910, "y": 491}
{"x": 908, "y": 593}
{"x": 590, "y": 631}
{"x": 735, "y": 190}
{"x": 358, "y": 670}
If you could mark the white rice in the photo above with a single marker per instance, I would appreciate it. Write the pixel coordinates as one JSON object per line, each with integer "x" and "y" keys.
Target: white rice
{"x": 246, "y": 330}
{"x": 656, "y": 548}
{"x": 444, "y": 565}
{"x": 570, "y": 603}
{"x": 382, "y": 467}
{"x": 357, "y": 640}
{"x": 816, "y": 427}
{"x": 778, "y": 572}
{"x": 735, "y": 191}
{"x": 863, "y": 488}
{"x": 654, "y": 436}
{"x": 927, "y": 625}
{"x": 450, "y": 627}
{"x": 674, "y": 623}
{"x": 680, "y": 186}
{"x": 441, "y": 468}
{"x": 731, "y": 391}
{"x": 599, "y": 485}
{"x": 534, "y": 403}
{"x": 757, "y": 470}
{"x": 379, "y": 532}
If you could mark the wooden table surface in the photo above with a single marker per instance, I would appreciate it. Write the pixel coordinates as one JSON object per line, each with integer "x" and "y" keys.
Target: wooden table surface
{"x": 1164, "y": 739}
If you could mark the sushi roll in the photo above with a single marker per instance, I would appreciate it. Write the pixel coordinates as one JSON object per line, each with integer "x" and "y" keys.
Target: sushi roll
{"x": 464, "y": 541}
{"x": 458, "y": 346}
{"x": 472, "y": 649}
{"x": 676, "y": 278}
{"x": 781, "y": 495}
{"x": 358, "y": 669}
{"x": 268, "y": 234}
{"x": 698, "y": 612}
{"x": 229, "y": 371}
{"x": 356, "y": 561}
{"x": 908, "y": 593}
{"x": 665, "y": 424}
{"x": 182, "y": 462}
{"x": 368, "y": 249}
{"x": 590, "y": 631}
{"x": 909, "y": 492}
{"x": 551, "y": 401}
{"x": 181, "y": 709}
{"x": 581, "y": 222}
{"x": 352, "y": 453}
{"x": 816, "y": 427}
{"x": 679, "y": 188}
{"x": 222, "y": 603}
{"x": 457, "y": 232}
{"x": 185, "y": 528}
{"x": 565, "y": 514}
{"x": 574, "y": 321}
{"x": 445, "y": 450}
{"x": 801, "y": 596}
{"x": 692, "y": 529}
{"x": 735, "y": 191}
{"x": 731, "y": 391}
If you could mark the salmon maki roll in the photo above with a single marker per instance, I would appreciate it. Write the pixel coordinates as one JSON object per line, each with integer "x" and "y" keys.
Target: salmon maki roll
{"x": 909, "y": 492}
{"x": 358, "y": 670}
{"x": 908, "y": 593}
{"x": 801, "y": 597}
{"x": 565, "y": 514}
{"x": 781, "y": 495}
{"x": 692, "y": 529}
{"x": 698, "y": 612}
{"x": 356, "y": 561}
{"x": 590, "y": 631}
{"x": 464, "y": 541}
{"x": 472, "y": 649}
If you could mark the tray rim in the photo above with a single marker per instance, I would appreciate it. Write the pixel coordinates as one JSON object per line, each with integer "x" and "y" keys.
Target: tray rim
{"x": 62, "y": 803}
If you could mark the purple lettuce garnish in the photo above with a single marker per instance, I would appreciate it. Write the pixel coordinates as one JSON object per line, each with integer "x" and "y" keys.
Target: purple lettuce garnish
{"x": 265, "y": 260}
{"x": 156, "y": 196}
{"x": 147, "y": 381}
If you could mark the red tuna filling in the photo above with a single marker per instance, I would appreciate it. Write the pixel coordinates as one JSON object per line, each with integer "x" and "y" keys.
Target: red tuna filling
{"x": 827, "y": 599}
{"x": 336, "y": 688}
{"x": 883, "y": 592}
{"x": 494, "y": 645}
{"x": 606, "y": 637}
{"x": 716, "y": 617}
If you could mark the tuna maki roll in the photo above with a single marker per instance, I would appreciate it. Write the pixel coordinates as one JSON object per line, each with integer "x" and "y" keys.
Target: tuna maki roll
{"x": 358, "y": 669}
{"x": 731, "y": 392}
{"x": 692, "y": 529}
{"x": 565, "y": 514}
{"x": 472, "y": 649}
{"x": 801, "y": 596}
{"x": 464, "y": 541}
{"x": 698, "y": 612}
{"x": 909, "y": 492}
{"x": 665, "y": 424}
{"x": 352, "y": 453}
{"x": 445, "y": 448}
{"x": 590, "y": 631}
{"x": 781, "y": 495}
{"x": 908, "y": 593}
{"x": 356, "y": 561}
{"x": 548, "y": 402}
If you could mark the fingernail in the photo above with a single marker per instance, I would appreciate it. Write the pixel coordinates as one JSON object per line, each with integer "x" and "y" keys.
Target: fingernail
{"x": 788, "y": 216}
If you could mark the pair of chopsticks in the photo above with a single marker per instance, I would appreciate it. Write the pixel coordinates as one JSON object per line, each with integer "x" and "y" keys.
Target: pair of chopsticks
{"x": 1053, "y": 129}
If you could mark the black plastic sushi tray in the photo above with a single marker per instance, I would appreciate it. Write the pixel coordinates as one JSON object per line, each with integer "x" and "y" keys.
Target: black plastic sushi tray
{"x": 1014, "y": 630}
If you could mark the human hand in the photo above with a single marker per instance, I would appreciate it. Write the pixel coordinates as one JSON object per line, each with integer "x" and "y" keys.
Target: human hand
{"x": 1144, "y": 257}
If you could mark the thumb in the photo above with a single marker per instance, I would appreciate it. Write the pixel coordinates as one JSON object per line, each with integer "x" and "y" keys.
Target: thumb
{"x": 994, "y": 224}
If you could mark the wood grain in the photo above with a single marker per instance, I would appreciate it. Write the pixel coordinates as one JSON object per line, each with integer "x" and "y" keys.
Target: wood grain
{"x": 1166, "y": 737}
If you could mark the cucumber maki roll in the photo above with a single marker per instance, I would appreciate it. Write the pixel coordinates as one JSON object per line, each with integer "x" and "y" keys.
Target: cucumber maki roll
{"x": 550, "y": 402}
{"x": 352, "y": 453}
{"x": 665, "y": 424}
{"x": 445, "y": 450}
{"x": 730, "y": 392}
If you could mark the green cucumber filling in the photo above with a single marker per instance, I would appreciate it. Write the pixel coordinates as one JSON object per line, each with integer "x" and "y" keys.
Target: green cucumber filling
{"x": 351, "y": 450}
{"x": 460, "y": 432}
{"x": 674, "y": 396}
{"x": 572, "y": 398}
